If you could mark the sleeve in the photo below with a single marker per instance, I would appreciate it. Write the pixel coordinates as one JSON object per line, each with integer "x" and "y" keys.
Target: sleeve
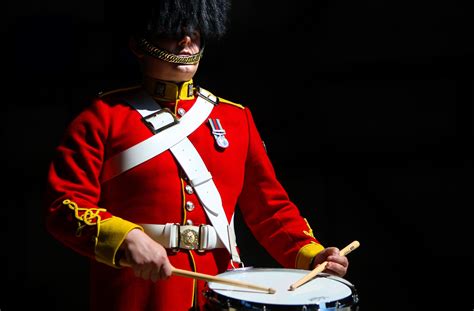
{"x": 271, "y": 216}
{"x": 73, "y": 216}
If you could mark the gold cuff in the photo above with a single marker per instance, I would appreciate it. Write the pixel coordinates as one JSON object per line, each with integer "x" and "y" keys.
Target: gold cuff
{"x": 306, "y": 254}
{"x": 112, "y": 233}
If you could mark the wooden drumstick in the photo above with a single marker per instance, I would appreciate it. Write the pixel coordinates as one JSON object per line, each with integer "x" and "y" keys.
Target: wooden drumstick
{"x": 211, "y": 278}
{"x": 346, "y": 250}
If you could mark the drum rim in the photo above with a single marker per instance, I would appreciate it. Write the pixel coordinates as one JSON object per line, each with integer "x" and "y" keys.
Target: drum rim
{"x": 302, "y": 271}
{"x": 349, "y": 301}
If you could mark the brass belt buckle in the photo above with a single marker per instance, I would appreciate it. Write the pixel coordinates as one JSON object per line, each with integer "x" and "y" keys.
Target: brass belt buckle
{"x": 189, "y": 239}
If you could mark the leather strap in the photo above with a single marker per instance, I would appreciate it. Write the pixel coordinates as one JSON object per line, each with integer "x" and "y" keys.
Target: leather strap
{"x": 159, "y": 142}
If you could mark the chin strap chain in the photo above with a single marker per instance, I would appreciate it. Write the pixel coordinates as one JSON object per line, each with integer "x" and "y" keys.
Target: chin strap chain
{"x": 156, "y": 52}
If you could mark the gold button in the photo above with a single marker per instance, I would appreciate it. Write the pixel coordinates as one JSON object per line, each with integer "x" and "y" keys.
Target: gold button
{"x": 189, "y": 206}
{"x": 181, "y": 111}
{"x": 189, "y": 189}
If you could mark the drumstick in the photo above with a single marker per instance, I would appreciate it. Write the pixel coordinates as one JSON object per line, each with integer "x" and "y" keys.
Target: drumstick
{"x": 346, "y": 250}
{"x": 211, "y": 278}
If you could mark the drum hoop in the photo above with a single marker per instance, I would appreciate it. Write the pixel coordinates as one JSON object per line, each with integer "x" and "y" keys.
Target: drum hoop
{"x": 347, "y": 303}
{"x": 326, "y": 275}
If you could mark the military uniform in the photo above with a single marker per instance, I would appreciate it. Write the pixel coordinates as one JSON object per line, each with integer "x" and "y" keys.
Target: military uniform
{"x": 93, "y": 217}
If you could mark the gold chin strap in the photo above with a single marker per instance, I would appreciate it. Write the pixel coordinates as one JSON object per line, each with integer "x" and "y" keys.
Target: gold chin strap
{"x": 154, "y": 51}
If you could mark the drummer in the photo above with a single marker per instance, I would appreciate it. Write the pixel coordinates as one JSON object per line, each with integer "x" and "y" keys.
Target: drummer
{"x": 149, "y": 176}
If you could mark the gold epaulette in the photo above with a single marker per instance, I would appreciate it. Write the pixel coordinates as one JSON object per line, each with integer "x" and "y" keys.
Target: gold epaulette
{"x": 125, "y": 89}
{"x": 222, "y": 100}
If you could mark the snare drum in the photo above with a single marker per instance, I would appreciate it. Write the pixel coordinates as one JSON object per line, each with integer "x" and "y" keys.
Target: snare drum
{"x": 325, "y": 292}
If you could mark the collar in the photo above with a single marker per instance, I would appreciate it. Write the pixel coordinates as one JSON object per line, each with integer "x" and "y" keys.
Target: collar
{"x": 169, "y": 91}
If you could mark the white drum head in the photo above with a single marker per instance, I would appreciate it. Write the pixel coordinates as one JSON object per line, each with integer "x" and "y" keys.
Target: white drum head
{"x": 322, "y": 290}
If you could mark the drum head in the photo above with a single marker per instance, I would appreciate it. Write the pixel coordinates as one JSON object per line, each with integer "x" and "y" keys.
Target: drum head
{"x": 324, "y": 291}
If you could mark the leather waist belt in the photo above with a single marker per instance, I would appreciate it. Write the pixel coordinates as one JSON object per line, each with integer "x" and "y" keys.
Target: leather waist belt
{"x": 176, "y": 236}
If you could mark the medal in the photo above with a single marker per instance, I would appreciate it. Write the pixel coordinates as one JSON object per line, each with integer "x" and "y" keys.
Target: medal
{"x": 219, "y": 133}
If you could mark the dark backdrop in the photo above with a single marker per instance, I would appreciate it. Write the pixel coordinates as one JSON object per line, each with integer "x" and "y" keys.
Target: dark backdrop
{"x": 365, "y": 107}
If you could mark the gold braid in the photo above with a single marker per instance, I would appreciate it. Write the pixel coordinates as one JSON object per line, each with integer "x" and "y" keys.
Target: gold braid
{"x": 154, "y": 51}
{"x": 88, "y": 217}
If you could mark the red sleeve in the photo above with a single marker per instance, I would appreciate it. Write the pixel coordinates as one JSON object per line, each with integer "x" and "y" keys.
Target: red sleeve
{"x": 73, "y": 189}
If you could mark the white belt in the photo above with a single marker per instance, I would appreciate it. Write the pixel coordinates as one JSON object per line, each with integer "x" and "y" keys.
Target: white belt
{"x": 176, "y": 236}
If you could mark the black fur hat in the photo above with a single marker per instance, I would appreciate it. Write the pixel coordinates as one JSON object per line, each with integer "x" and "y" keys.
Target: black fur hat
{"x": 174, "y": 17}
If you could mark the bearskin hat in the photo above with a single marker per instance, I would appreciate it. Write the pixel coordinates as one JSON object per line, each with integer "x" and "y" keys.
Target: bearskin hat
{"x": 173, "y": 18}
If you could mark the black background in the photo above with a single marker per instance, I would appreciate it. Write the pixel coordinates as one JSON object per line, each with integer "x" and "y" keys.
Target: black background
{"x": 366, "y": 109}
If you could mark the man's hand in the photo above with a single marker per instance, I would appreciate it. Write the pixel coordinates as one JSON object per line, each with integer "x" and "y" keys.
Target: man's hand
{"x": 337, "y": 264}
{"x": 147, "y": 258}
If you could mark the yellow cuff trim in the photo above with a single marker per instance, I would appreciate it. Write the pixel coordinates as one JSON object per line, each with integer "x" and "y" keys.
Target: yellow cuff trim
{"x": 112, "y": 233}
{"x": 306, "y": 255}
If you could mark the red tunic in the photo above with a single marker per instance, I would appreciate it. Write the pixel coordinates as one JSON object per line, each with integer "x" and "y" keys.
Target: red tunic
{"x": 100, "y": 215}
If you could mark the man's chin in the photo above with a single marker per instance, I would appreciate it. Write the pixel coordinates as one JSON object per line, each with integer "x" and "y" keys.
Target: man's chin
{"x": 186, "y": 70}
